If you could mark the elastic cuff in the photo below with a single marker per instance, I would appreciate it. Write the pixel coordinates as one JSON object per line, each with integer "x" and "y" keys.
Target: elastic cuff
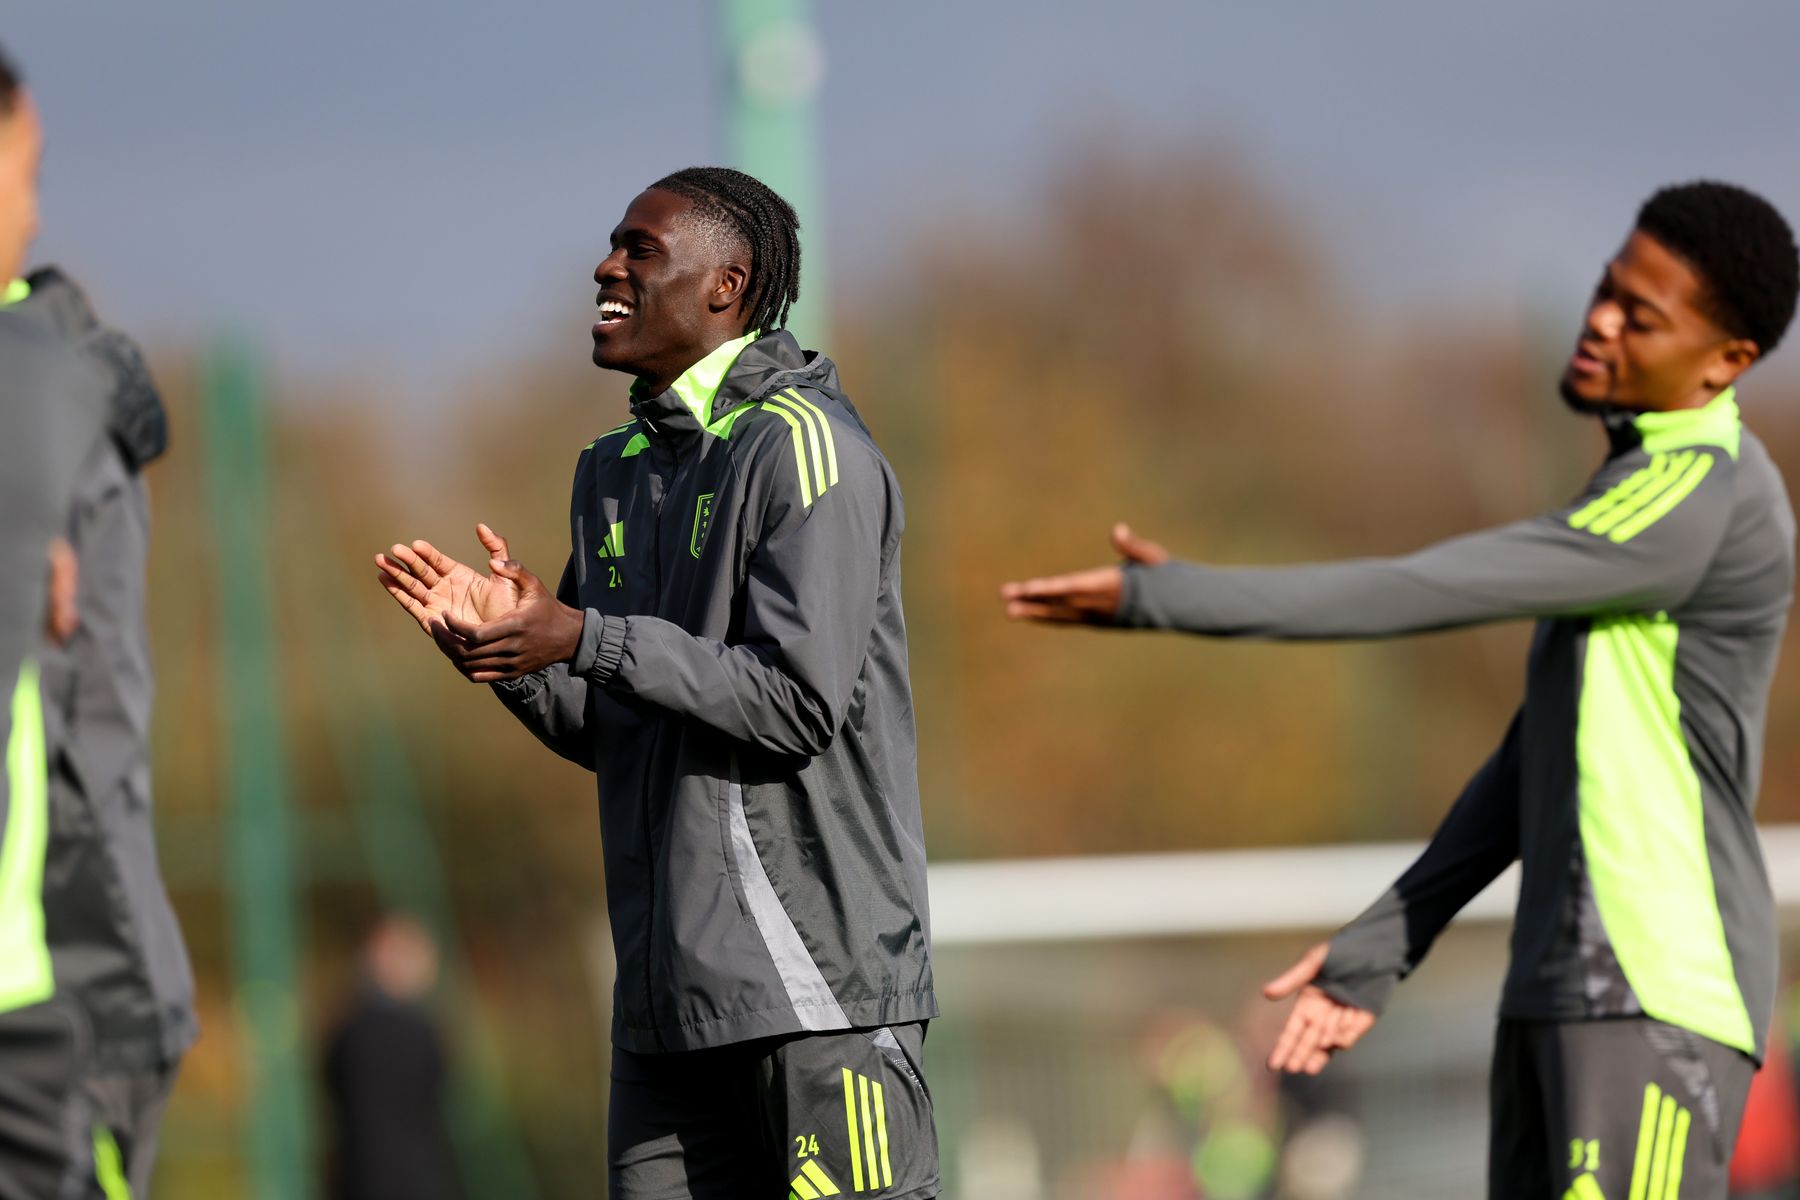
{"x": 520, "y": 686}
{"x": 1368, "y": 991}
{"x": 1130, "y": 590}
{"x": 601, "y": 649}
{"x": 582, "y": 661}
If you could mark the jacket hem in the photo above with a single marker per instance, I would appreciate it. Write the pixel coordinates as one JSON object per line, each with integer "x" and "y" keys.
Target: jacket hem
{"x": 899, "y": 1008}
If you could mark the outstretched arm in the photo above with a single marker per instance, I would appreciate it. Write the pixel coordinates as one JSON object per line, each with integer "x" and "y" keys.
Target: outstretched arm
{"x": 1635, "y": 543}
{"x": 1091, "y": 597}
{"x": 1478, "y": 839}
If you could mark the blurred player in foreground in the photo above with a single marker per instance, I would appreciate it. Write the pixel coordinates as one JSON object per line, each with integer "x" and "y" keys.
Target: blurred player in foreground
{"x": 726, "y": 651}
{"x": 1643, "y": 963}
{"x": 52, "y": 406}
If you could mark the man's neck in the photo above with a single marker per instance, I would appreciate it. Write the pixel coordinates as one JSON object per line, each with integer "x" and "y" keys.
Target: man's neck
{"x": 1700, "y": 398}
{"x": 660, "y": 380}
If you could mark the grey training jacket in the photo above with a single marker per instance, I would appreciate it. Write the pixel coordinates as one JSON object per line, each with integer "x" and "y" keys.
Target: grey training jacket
{"x": 1627, "y": 781}
{"x": 51, "y": 410}
{"x": 113, "y": 935}
{"x": 741, "y": 692}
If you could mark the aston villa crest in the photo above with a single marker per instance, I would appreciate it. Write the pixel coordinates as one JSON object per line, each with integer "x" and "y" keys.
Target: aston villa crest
{"x": 703, "y": 509}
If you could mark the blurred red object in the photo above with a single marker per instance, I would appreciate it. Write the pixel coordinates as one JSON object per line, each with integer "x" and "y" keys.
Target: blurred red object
{"x": 1768, "y": 1147}
{"x": 1155, "y": 1178}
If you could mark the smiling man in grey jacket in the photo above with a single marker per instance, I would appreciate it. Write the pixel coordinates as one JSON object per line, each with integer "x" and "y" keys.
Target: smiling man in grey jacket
{"x": 726, "y": 651}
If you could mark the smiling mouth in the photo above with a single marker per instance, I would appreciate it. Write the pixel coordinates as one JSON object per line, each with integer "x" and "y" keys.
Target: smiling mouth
{"x": 1584, "y": 363}
{"x": 612, "y": 312}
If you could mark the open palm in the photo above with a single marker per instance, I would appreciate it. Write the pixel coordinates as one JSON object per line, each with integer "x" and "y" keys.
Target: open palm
{"x": 432, "y": 586}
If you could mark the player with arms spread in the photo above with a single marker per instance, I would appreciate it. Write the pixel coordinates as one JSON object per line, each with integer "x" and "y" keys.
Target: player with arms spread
{"x": 1643, "y": 953}
{"x": 726, "y": 651}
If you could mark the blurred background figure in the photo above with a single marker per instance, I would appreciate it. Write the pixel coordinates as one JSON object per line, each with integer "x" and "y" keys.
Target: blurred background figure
{"x": 1322, "y": 1146}
{"x": 1766, "y": 1163}
{"x": 1211, "y": 1129}
{"x": 385, "y": 1075}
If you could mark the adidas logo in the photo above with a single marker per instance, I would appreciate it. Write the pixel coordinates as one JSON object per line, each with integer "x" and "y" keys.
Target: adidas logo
{"x": 811, "y": 1183}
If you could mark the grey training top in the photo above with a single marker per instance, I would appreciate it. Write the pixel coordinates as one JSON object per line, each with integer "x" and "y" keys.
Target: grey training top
{"x": 1626, "y": 782}
{"x": 51, "y": 409}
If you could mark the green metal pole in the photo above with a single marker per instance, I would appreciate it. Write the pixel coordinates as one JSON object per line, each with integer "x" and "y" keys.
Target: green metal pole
{"x": 260, "y": 870}
{"x": 400, "y": 848}
{"x": 775, "y": 64}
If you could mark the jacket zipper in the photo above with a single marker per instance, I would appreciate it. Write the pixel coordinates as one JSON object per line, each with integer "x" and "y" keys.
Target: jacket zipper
{"x": 655, "y": 608}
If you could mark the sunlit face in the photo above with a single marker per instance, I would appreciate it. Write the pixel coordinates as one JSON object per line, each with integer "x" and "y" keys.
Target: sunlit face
{"x": 663, "y": 288}
{"x": 1647, "y": 342}
{"x": 21, "y": 149}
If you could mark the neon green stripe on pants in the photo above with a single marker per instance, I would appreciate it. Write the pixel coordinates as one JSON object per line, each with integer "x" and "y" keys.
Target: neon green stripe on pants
{"x": 109, "y": 1167}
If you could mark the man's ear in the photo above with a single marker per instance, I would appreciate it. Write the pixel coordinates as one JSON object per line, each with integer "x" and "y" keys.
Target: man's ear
{"x": 728, "y": 287}
{"x": 1731, "y": 360}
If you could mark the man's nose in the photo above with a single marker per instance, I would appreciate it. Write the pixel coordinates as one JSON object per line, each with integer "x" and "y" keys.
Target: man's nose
{"x": 611, "y": 267}
{"x": 1605, "y": 319}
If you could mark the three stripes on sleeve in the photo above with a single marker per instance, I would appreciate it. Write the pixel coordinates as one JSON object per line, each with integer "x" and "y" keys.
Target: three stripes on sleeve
{"x": 815, "y": 450}
{"x": 1645, "y": 497}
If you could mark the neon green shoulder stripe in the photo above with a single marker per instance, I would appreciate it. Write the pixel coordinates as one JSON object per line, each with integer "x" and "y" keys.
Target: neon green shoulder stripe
{"x": 723, "y": 426}
{"x": 14, "y": 292}
{"x": 824, "y": 422}
{"x": 814, "y": 443}
{"x": 609, "y": 433}
{"x": 25, "y": 976}
{"x": 1655, "y": 510}
{"x": 1645, "y": 497}
{"x": 806, "y": 479}
{"x": 614, "y": 432}
{"x": 810, "y": 433}
{"x": 815, "y": 446}
{"x": 1647, "y": 479}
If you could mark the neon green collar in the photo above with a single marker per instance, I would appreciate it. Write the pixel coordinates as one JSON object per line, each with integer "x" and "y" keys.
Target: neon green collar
{"x": 1715, "y": 424}
{"x": 14, "y": 292}
{"x": 699, "y": 384}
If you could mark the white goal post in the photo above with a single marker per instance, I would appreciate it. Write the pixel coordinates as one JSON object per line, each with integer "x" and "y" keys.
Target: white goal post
{"x": 1214, "y": 891}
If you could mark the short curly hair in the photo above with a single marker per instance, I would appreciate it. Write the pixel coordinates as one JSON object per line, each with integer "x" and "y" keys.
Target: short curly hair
{"x": 1741, "y": 248}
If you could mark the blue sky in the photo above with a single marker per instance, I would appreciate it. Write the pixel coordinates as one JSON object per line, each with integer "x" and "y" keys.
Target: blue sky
{"x": 420, "y": 188}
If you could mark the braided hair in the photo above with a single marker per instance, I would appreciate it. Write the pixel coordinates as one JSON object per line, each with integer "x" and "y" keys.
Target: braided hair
{"x": 749, "y": 210}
